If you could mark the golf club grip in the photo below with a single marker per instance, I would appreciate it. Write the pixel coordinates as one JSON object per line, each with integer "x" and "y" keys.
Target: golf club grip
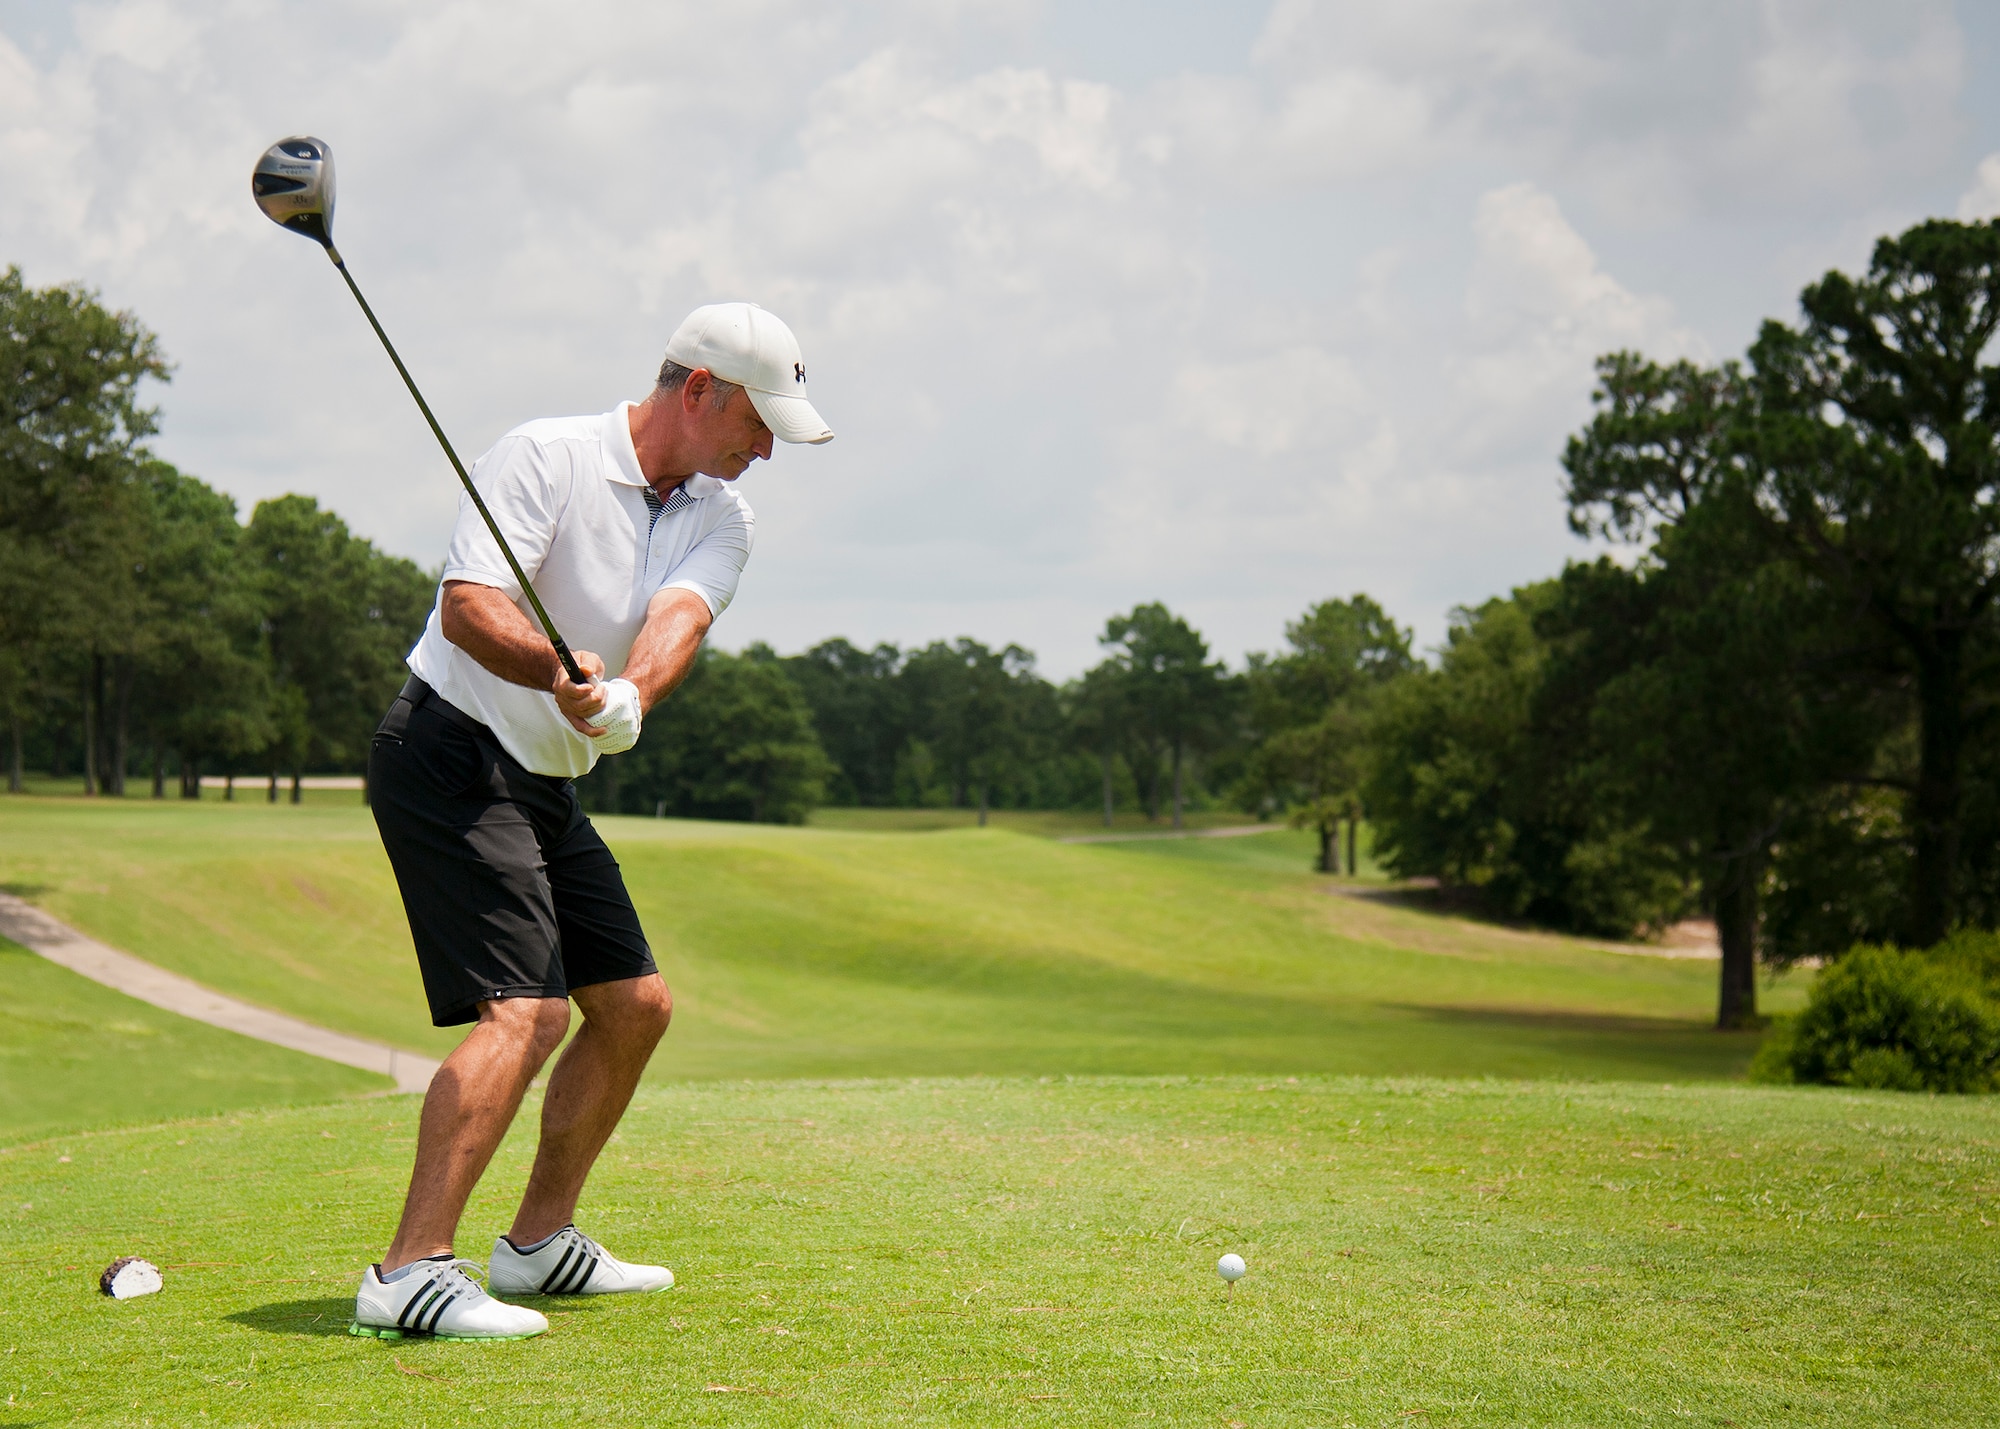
{"x": 569, "y": 664}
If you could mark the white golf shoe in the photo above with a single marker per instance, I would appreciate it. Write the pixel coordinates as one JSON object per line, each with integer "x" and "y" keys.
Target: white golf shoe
{"x": 570, "y": 1263}
{"x": 438, "y": 1298}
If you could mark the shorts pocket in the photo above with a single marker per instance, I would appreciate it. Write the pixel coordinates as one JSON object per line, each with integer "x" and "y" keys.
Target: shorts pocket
{"x": 452, "y": 760}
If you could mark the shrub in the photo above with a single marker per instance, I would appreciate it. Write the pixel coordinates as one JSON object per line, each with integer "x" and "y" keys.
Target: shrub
{"x": 1974, "y": 952}
{"x": 1773, "y": 1063}
{"x": 1885, "y": 1018}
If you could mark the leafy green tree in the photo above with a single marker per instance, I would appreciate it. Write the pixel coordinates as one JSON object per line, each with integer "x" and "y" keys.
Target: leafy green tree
{"x": 1471, "y": 780}
{"x": 1337, "y": 647}
{"x": 1683, "y": 694}
{"x": 735, "y": 741}
{"x": 71, "y": 428}
{"x": 1098, "y": 723}
{"x": 339, "y": 618}
{"x": 1308, "y": 714}
{"x": 1321, "y": 766}
{"x": 1873, "y": 446}
{"x": 863, "y": 719}
{"x": 1705, "y": 667}
{"x": 1176, "y": 701}
{"x": 1839, "y": 874}
{"x": 980, "y": 712}
{"x": 201, "y": 683}
{"x": 1449, "y": 749}
{"x": 953, "y": 723}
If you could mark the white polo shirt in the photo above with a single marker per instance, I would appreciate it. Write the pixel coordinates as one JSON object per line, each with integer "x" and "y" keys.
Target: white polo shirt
{"x": 568, "y": 493}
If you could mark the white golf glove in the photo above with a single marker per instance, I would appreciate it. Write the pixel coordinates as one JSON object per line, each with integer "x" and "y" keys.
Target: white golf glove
{"x": 619, "y": 719}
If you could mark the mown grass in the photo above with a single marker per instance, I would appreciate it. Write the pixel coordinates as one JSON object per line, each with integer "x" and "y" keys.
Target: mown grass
{"x": 73, "y": 1054}
{"x": 983, "y": 1250}
{"x": 807, "y": 952}
{"x": 1021, "y": 1252}
{"x": 1046, "y": 823}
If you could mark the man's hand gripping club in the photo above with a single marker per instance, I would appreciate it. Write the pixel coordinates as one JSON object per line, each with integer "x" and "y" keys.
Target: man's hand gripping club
{"x": 484, "y": 623}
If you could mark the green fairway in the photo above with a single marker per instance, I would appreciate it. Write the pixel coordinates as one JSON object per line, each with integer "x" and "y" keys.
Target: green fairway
{"x": 804, "y": 952}
{"x": 1049, "y": 823}
{"x": 981, "y": 1251}
{"x": 73, "y": 1054}
{"x": 1014, "y": 1252}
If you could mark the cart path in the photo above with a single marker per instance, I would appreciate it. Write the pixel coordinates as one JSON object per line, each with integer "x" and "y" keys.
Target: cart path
{"x": 59, "y": 943}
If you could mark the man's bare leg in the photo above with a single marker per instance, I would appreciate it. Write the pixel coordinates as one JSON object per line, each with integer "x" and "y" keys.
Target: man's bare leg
{"x": 470, "y": 1105}
{"x": 588, "y": 1092}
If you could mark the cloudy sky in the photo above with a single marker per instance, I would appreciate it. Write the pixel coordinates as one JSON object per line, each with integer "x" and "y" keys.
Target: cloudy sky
{"x": 1232, "y": 306}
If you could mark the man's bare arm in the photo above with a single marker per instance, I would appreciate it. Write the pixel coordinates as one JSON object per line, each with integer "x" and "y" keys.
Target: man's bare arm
{"x": 676, "y": 621}
{"x": 489, "y": 627}
{"x": 485, "y": 624}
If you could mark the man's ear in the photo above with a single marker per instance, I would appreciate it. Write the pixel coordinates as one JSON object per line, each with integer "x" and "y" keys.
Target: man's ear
{"x": 698, "y": 385}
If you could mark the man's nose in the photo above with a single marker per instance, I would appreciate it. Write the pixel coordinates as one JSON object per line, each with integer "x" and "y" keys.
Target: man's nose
{"x": 762, "y": 446}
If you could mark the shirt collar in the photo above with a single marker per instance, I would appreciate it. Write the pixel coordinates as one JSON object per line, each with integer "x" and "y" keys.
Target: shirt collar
{"x": 624, "y": 467}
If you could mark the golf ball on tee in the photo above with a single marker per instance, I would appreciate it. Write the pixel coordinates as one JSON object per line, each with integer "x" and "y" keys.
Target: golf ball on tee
{"x": 1231, "y": 1267}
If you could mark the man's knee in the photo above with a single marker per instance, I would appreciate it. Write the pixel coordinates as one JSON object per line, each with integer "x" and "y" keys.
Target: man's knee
{"x": 632, "y": 1009}
{"x": 536, "y": 1023}
{"x": 658, "y": 1000}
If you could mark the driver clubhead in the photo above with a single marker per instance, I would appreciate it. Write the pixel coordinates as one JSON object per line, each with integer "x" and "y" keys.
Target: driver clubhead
{"x": 293, "y": 184}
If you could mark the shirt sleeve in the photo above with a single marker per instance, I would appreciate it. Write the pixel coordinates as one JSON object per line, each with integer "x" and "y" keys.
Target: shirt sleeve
{"x": 712, "y": 569}
{"x": 522, "y": 489}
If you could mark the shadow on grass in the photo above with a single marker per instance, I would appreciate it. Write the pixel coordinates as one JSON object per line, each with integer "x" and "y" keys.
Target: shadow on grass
{"x": 1572, "y": 1023}
{"x": 557, "y": 1306}
{"x": 327, "y": 1315}
{"x": 1427, "y": 895}
{"x": 25, "y": 890}
{"x": 1599, "y": 1045}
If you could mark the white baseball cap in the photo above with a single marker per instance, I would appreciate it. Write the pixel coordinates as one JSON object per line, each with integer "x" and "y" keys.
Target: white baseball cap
{"x": 741, "y": 343}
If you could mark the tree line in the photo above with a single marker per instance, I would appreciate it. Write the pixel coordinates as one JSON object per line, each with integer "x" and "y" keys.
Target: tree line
{"x": 1158, "y": 726}
{"x": 144, "y": 630}
{"x": 1771, "y": 700}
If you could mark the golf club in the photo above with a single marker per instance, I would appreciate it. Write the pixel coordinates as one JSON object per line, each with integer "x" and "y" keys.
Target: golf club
{"x": 293, "y": 185}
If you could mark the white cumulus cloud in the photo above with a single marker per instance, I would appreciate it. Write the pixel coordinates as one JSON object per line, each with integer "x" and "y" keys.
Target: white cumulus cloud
{"x": 1100, "y": 316}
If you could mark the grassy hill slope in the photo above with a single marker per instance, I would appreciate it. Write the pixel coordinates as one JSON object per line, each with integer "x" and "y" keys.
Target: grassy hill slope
{"x": 73, "y": 1054}
{"x": 1013, "y": 1252}
{"x": 827, "y": 952}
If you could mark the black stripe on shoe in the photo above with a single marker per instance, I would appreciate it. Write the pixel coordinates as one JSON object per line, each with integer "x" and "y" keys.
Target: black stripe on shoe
{"x": 415, "y": 1300}
{"x": 589, "y": 1270}
{"x": 440, "y": 1311}
{"x": 561, "y": 1266}
{"x": 410, "y": 1304}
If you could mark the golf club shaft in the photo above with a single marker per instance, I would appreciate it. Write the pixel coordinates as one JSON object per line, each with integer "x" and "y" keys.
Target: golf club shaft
{"x": 562, "y": 650}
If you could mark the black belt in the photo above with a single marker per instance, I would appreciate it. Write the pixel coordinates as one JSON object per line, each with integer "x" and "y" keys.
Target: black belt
{"x": 417, "y": 694}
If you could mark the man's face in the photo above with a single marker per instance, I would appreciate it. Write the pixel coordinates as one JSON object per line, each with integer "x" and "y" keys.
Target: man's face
{"x": 729, "y": 435}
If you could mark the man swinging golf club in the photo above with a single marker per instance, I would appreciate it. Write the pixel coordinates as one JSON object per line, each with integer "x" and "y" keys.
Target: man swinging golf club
{"x": 628, "y": 529}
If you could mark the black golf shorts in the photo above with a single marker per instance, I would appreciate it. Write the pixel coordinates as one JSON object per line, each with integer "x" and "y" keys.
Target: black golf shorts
{"x": 510, "y": 891}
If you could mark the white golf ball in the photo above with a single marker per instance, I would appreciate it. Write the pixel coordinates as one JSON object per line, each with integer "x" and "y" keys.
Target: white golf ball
{"x": 1231, "y": 1268}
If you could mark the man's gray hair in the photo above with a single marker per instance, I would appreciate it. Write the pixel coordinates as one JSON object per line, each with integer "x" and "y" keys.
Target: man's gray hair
{"x": 673, "y": 377}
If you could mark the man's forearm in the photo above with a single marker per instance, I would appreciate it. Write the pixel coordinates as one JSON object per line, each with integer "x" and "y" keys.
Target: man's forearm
{"x": 676, "y": 622}
{"x": 489, "y": 627}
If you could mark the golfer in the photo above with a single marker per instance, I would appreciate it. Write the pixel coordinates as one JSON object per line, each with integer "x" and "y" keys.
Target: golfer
{"x": 632, "y": 534}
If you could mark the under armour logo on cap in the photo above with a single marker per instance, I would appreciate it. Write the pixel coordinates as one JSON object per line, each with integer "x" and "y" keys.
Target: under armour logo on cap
{"x": 799, "y": 371}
